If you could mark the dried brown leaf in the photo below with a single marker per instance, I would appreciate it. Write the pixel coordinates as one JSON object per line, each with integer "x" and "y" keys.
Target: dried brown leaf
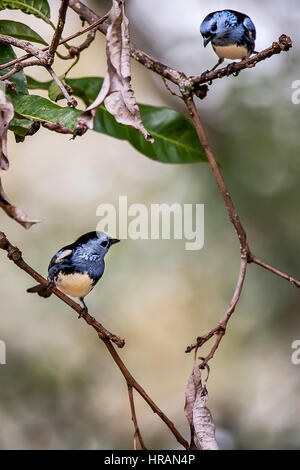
{"x": 6, "y": 115}
{"x": 116, "y": 92}
{"x": 202, "y": 419}
{"x": 190, "y": 397}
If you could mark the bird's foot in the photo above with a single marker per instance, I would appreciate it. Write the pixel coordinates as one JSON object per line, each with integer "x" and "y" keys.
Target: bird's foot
{"x": 203, "y": 75}
{"x": 84, "y": 312}
{"x": 230, "y": 68}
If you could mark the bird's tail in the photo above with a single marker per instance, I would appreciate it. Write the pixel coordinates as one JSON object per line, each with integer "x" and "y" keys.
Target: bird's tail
{"x": 42, "y": 290}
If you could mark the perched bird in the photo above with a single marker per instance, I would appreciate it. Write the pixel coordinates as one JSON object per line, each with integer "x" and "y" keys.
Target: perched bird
{"x": 75, "y": 269}
{"x": 232, "y": 34}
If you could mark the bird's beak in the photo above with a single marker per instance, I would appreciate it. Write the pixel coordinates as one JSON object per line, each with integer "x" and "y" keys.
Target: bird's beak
{"x": 207, "y": 40}
{"x": 112, "y": 241}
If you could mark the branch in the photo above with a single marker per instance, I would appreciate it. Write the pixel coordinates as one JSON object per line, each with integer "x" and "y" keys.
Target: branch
{"x": 294, "y": 282}
{"x": 63, "y": 41}
{"x": 56, "y": 127}
{"x": 137, "y": 433}
{"x": 70, "y": 100}
{"x": 58, "y": 30}
{"x": 233, "y": 215}
{"x": 25, "y": 45}
{"x": 19, "y": 67}
{"x": 220, "y": 329}
{"x": 284, "y": 44}
{"x": 15, "y": 255}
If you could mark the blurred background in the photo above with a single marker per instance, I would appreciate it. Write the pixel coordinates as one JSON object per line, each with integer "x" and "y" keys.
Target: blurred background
{"x": 60, "y": 389}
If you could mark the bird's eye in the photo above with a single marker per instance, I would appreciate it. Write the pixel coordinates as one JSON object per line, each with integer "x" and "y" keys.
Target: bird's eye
{"x": 214, "y": 27}
{"x": 104, "y": 244}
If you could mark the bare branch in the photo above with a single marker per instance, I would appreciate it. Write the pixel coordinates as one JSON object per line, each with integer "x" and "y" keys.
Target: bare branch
{"x": 220, "y": 329}
{"x": 58, "y": 30}
{"x": 284, "y": 44}
{"x": 63, "y": 41}
{"x": 25, "y": 45}
{"x": 56, "y": 127}
{"x": 137, "y": 433}
{"x": 233, "y": 215}
{"x": 20, "y": 66}
{"x": 289, "y": 278}
{"x": 70, "y": 99}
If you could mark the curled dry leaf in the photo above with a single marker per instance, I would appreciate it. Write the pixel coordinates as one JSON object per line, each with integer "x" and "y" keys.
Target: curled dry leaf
{"x": 202, "y": 418}
{"x": 198, "y": 415}
{"x": 6, "y": 115}
{"x": 190, "y": 397}
{"x": 116, "y": 92}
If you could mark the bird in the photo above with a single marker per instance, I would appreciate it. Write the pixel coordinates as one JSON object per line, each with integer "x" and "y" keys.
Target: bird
{"x": 231, "y": 33}
{"x": 76, "y": 268}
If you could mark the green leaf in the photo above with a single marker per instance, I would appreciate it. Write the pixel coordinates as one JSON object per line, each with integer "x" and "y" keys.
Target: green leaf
{"x": 176, "y": 140}
{"x": 20, "y": 31}
{"x": 34, "y": 84}
{"x": 54, "y": 92}
{"x": 38, "y": 108}
{"x": 38, "y": 8}
{"x": 20, "y": 126}
{"x": 6, "y": 55}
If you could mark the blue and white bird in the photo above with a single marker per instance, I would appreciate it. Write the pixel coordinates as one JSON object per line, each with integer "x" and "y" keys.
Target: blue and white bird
{"x": 231, "y": 33}
{"x": 75, "y": 269}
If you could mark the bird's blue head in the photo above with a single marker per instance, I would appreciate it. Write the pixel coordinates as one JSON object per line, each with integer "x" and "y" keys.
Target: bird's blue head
{"x": 97, "y": 243}
{"x": 225, "y": 26}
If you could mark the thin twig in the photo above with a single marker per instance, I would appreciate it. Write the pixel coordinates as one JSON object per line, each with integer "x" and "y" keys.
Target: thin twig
{"x": 56, "y": 127}
{"x": 63, "y": 41}
{"x": 58, "y": 30}
{"x": 25, "y": 45}
{"x": 21, "y": 66}
{"x": 70, "y": 99}
{"x": 75, "y": 50}
{"x": 137, "y": 433}
{"x": 233, "y": 215}
{"x": 220, "y": 329}
{"x": 294, "y": 282}
{"x": 16, "y": 256}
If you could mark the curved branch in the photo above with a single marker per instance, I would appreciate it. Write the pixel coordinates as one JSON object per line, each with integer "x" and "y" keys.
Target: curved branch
{"x": 220, "y": 330}
{"x": 137, "y": 432}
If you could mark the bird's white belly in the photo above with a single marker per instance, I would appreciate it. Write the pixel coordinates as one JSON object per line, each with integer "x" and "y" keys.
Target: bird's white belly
{"x": 231, "y": 52}
{"x": 76, "y": 284}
